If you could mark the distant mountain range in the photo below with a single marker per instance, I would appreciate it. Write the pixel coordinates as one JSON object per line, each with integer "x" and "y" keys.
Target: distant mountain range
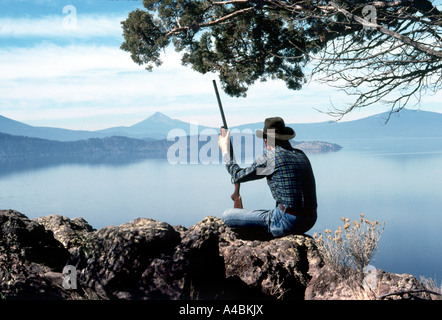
{"x": 408, "y": 123}
{"x": 157, "y": 126}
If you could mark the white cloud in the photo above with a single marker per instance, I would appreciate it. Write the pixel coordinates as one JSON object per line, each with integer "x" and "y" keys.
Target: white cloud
{"x": 57, "y": 85}
{"x": 60, "y": 83}
{"x": 92, "y": 80}
{"x": 62, "y": 26}
{"x": 56, "y": 82}
{"x": 81, "y": 81}
{"x": 45, "y": 62}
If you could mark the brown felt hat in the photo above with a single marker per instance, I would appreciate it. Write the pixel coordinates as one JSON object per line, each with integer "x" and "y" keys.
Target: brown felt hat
{"x": 275, "y": 128}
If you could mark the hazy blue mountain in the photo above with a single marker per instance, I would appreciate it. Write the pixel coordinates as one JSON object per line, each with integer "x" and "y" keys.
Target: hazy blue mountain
{"x": 13, "y": 127}
{"x": 408, "y": 123}
{"x": 157, "y": 126}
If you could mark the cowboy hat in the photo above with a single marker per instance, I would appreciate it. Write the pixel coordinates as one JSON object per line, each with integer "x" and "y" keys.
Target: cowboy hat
{"x": 275, "y": 128}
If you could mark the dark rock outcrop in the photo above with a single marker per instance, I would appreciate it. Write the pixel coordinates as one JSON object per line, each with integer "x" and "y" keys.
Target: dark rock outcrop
{"x": 280, "y": 268}
{"x": 71, "y": 233}
{"x": 147, "y": 259}
{"x": 27, "y": 252}
{"x": 151, "y": 260}
{"x": 327, "y": 285}
{"x": 31, "y": 240}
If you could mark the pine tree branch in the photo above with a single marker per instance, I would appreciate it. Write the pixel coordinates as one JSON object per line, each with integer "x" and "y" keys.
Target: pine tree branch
{"x": 210, "y": 23}
{"x": 389, "y": 32}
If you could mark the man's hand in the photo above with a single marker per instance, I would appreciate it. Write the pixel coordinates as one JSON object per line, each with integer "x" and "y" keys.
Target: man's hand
{"x": 224, "y": 141}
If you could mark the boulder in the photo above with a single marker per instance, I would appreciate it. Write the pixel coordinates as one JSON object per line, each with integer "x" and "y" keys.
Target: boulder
{"x": 146, "y": 259}
{"x": 71, "y": 233}
{"x": 150, "y": 260}
{"x": 113, "y": 259}
{"x": 27, "y": 253}
{"x": 193, "y": 270}
{"x": 280, "y": 268}
{"x": 378, "y": 285}
{"x": 31, "y": 240}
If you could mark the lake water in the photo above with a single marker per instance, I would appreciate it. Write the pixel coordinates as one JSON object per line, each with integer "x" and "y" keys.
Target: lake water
{"x": 396, "y": 181}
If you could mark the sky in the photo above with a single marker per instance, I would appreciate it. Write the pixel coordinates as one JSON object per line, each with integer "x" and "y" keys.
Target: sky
{"x": 61, "y": 66}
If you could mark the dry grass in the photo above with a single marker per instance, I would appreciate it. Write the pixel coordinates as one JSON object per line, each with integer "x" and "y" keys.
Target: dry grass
{"x": 349, "y": 249}
{"x": 431, "y": 286}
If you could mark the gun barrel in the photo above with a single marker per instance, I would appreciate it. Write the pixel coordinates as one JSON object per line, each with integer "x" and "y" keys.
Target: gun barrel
{"x": 237, "y": 201}
{"x": 220, "y": 106}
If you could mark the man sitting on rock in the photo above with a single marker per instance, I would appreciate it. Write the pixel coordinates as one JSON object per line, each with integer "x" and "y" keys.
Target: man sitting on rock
{"x": 290, "y": 179}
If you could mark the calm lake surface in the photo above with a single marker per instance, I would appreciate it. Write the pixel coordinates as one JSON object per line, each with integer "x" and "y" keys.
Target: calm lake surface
{"x": 396, "y": 181}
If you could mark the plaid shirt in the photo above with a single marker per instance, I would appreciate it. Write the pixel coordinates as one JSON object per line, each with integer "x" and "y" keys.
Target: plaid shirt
{"x": 289, "y": 175}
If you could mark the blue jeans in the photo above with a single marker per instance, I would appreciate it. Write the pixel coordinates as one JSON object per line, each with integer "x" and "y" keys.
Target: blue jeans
{"x": 266, "y": 224}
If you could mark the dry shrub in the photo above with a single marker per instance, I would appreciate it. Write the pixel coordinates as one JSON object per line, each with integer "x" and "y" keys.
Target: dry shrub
{"x": 349, "y": 249}
{"x": 432, "y": 287}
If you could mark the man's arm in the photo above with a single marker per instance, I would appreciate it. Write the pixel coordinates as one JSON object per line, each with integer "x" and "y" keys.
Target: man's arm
{"x": 239, "y": 175}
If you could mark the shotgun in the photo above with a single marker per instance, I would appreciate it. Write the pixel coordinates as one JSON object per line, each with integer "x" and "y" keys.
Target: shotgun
{"x": 236, "y": 197}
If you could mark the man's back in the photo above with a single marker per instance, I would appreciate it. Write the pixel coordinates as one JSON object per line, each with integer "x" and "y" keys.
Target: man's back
{"x": 292, "y": 182}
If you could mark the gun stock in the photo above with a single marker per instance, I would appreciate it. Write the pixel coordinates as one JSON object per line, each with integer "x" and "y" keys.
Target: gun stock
{"x": 236, "y": 197}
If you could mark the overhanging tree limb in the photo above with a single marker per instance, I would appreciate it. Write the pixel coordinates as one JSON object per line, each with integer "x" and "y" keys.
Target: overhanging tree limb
{"x": 210, "y": 23}
{"x": 398, "y": 36}
{"x": 396, "y": 57}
